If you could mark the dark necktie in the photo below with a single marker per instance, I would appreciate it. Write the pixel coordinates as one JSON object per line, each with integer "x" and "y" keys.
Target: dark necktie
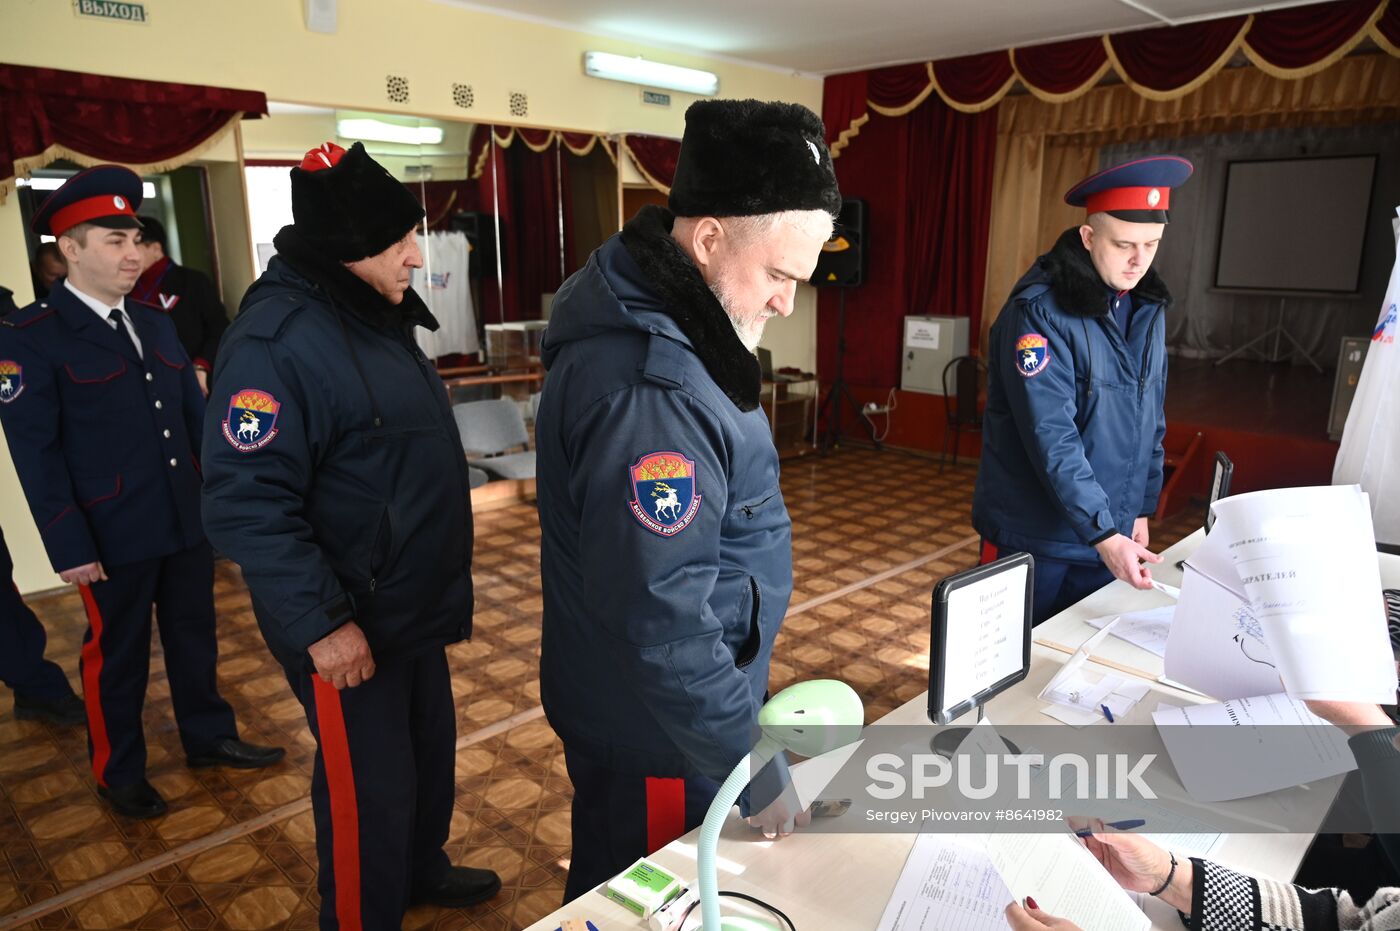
{"x": 118, "y": 318}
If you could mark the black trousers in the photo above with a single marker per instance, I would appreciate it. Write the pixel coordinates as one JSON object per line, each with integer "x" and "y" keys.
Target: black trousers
{"x": 383, "y": 786}
{"x": 22, "y": 641}
{"x": 116, "y": 659}
{"x": 1058, "y": 583}
{"x": 618, "y": 817}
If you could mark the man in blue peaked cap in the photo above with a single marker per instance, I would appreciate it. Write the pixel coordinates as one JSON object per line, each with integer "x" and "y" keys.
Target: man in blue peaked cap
{"x": 1077, "y": 374}
{"x": 102, "y": 414}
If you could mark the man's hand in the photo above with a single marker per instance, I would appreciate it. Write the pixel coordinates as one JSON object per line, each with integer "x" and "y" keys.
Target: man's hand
{"x": 84, "y": 575}
{"x": 777, "y": 820}
{"x": 1124, "y": 559}
{"x": 203, "y": 377}
{"x": 343, "y": 657}
{"x": 1140, "y": 536}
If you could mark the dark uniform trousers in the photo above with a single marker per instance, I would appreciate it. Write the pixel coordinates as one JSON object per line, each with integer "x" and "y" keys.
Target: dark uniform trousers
{"x": 1058, "y": 582}
{"x": 116, "y": 659}
{"x": 22, "y": 640}
{"x": 618, "y": 817}
{"x": 383, "y": 786}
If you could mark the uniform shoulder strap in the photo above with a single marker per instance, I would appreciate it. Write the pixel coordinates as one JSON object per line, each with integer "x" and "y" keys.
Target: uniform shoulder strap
{"x": 268, "y": 313}
{"x": 666, "y": 362}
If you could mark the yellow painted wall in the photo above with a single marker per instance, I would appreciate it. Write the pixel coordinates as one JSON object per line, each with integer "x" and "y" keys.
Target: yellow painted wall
{"x": 264, "y": 45}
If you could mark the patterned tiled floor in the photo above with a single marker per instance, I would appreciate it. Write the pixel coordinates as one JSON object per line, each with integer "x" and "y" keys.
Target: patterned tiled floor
{"x": 237, "y": 849}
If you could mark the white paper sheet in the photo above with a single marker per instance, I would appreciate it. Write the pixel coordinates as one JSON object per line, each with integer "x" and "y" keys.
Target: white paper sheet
{"x": 1215, "y": 644}
{"x": 1257, "y": 754}
{"x": 946, "y": 885}
{"x": 1147, "y": 629}
{"x": 1065, "y": 880}
{"x": 1306, "y": 558}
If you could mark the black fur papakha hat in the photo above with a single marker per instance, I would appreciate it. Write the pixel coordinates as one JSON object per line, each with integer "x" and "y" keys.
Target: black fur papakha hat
{"x": 747, "y": 157}
{"x": 347, "y": 206}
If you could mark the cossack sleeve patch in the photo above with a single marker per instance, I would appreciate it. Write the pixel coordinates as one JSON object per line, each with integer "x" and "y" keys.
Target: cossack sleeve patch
{"x": 1032, "y": 354}
{"x": 665, "y": 492}
{"x": 11, "y": 381}
{"x": 251, "y": 422}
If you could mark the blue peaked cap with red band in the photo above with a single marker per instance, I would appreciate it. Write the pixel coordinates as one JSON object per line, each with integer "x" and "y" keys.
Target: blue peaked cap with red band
{"x": 107, "y": 195}
{"x": 1138, "y": 191}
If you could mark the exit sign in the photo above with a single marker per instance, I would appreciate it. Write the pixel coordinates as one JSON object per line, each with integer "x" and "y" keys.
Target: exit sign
{"x": 110, "y": 9}
{"x": 657, "y": 98}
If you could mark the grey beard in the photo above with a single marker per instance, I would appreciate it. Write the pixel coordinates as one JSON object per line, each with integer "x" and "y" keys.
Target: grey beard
{"x": 748, "y": 338}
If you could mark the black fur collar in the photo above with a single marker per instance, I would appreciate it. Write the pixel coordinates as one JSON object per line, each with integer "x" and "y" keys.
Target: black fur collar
{"x": 1078, "y": 288}
{"x": 347, "y": 290}
{"x": 694, "y": 307}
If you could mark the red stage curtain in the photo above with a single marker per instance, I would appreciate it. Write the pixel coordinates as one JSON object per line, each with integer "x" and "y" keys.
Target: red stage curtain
{"x": 1298, "y": 37}
{"x": 536, "y": 194}
{"x": 529, "y": 198}
{"x": 949, "y": 211}
{"x": 974, "y": 80}
{"x": 536, "y": 139}
{"x": 147, "y": 123}
{"x": 926, "y": 181}
{"x": 655, "y": 157}
{"x": 1388, "y": 26}
{"x": 897, "y": 87}
{"x": 1161, "y": 64}
{"x": 1061, "y": 67}
{"x": 1174, "y": 56}
{"x": 843, "y": 106}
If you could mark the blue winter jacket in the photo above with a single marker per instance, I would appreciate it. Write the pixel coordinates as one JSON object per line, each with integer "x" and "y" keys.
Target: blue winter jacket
{"x": 1072, "y": 435}
{"x": 333, "y": 468}
{"x": 666, "y": 550}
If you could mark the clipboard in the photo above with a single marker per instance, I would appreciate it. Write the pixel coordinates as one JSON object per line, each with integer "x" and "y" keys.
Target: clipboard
{"x": 954, "y": 595}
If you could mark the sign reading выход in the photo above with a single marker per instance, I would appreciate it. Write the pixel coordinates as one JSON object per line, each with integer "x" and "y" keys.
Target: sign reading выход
{"x": 110, "y": 9}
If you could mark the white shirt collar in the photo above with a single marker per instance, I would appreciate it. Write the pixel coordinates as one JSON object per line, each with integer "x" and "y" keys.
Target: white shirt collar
{"x": 98, "y": 307}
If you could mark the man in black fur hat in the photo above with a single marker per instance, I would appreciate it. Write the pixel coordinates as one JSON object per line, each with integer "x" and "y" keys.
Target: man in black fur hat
{"x": 334, "y": 476}
{"x": 666, "y": 550}
{"x": 1077, "y": 375}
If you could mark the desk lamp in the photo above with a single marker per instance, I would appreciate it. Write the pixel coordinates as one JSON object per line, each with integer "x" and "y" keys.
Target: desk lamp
{"x": 808, "y": 718}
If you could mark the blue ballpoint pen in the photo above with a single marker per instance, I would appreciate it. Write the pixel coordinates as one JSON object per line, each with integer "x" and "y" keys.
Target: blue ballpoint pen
{"x": 1125, "y": 825}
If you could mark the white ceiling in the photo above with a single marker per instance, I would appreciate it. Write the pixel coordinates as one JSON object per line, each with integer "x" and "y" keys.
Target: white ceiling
{"x": 832, "y": 36}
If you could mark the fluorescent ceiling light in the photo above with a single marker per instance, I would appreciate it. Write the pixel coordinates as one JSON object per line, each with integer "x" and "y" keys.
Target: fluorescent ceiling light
{"x": 650, "y": 73}
{"x": 380, "y": 131}
{"x": 148, "y": 190}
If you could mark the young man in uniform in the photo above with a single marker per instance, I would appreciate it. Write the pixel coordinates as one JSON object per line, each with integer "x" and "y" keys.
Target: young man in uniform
{"x": 1077, "y": 375}
{"x": 102, "y": 415}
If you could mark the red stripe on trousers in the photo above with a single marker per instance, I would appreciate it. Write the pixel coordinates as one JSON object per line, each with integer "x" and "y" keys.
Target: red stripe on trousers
{"x": 92, "y": 693}
{"x": 990, "y": 553}
{"x": 345, "y": 813}
{"x": 665, "y": 811}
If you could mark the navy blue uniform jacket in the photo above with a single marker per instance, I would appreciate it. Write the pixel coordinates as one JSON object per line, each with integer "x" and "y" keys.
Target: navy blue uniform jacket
{"x": 656, "y": 640}
{"x": 103, "y": 439}
{"x": 1072, "y": 435}
{"x": 358, "y": 507}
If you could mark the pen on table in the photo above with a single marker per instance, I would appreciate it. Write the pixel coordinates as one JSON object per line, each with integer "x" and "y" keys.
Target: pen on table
{"x": 1126, "y": 825}
{"x": 1107, "y": 713}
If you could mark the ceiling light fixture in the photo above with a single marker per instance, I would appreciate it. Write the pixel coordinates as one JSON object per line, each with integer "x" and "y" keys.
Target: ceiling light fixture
{"x": 650, "y": 73}
{"x": 380, "y": 131}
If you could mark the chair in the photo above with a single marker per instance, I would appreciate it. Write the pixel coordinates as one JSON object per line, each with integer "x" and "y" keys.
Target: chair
{"x": 477, "y": 477}
{"x": 960, "y": 409}
{"x": 489, "y": 430}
